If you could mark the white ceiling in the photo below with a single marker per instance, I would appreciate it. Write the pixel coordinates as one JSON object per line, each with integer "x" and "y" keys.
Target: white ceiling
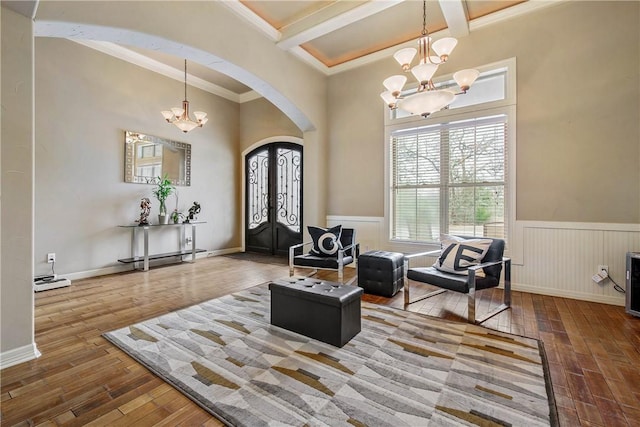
{"x": 330, "y": 35}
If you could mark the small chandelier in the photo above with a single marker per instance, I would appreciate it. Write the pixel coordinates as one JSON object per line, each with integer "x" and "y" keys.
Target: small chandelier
{"x": 180, "y": 116}
{"x": 428, "y": 99}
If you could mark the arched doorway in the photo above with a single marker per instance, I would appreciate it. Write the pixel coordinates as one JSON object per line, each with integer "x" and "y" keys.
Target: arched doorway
{"x": 273, "y": 198}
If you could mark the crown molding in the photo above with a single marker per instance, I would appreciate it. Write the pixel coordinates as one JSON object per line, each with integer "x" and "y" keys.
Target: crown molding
{"x": 249, "y": 96}
{"x": 143, "y": 61}
{"x": 512, "y": 12}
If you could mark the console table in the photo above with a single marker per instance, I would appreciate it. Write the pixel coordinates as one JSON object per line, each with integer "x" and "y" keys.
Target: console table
{"x": 135, "y": 228}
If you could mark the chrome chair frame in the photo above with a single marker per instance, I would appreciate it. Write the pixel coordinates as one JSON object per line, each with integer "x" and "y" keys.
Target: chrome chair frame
{"x": 471, "y": 281}
{"x": 340, "y": 259}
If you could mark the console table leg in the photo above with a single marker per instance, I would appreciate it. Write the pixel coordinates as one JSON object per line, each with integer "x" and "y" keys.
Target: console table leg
{"x": 134, "y": 242}
{"x": 146, "y": 248}
{"x": 193, "y": 243}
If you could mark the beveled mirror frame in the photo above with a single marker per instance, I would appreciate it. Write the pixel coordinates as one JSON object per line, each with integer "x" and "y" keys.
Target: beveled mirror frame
{"x": 130, "y": 140}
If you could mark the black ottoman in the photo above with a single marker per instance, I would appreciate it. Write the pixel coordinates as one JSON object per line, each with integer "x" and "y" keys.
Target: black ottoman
{"x": 326, "y": 311}
{"x": 381, "y": 272}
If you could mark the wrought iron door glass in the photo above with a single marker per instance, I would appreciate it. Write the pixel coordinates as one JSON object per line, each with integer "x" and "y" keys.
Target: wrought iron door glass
{"x": 258, "y": 176}
{"x": 288, "y": 188}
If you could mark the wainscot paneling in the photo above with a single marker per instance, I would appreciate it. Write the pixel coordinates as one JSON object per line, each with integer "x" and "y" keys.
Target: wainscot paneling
{"x": 552, "y": 258}
{"x": 368, "y": 229}
{"x": 560, "y": 258}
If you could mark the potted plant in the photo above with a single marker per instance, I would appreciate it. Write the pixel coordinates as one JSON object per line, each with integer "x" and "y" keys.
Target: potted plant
{"x": 176, "y": 216}
{"x": 162, "y": 191}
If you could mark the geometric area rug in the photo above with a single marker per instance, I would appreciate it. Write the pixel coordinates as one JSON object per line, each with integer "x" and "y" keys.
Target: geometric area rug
{"x": 402, "y": 369}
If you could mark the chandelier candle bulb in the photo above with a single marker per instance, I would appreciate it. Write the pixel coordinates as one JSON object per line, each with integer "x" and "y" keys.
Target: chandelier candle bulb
{"x": 389, "y": 99}
{"x": 404, "y": 57}
{"x": 394, "y": 84}
{"x": 444, "y": 47}
{"x": 424, "y": 72}
{"x": 465, "y": 78}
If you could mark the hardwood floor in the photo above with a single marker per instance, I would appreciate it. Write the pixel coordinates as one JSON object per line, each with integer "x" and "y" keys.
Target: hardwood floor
{"x": 82, "y": 379}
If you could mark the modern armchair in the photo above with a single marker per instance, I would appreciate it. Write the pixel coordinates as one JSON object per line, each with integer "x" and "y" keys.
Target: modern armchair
{"x": 338, "y": 257}
{"x": 469, "y": 278}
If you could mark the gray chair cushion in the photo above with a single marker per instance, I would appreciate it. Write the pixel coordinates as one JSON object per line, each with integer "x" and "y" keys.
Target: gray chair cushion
{"x": 452, "y": 282}
{"x": 313, "y": 261}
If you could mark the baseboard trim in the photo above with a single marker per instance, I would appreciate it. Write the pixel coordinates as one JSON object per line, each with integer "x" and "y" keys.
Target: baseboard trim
{"x": 604, "y": 299}
{"x": 97, "y": 272}
{"x": 224, "y": 251}
{"x": 122, "y": 268}
{"x": 19, "y": 355}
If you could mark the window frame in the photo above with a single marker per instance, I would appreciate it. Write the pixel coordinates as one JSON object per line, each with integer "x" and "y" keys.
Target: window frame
{"x": 506, "y": 106}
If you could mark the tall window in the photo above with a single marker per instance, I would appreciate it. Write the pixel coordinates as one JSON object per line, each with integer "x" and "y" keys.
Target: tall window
{"x": 451, "y": 174}
{"x": 449, "y": 178}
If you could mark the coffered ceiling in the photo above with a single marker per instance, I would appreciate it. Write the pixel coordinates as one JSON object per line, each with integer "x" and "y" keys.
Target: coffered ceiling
{"x": 334, "y": 35}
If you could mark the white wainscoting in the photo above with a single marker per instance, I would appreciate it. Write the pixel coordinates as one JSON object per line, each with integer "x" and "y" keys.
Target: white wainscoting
{"x": 549, "y": 258}
{"x": 369, "y": 230}
{"x": 560, "y": 258}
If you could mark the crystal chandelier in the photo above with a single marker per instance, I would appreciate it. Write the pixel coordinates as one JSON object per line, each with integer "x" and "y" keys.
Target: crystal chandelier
{"x": 428, "y": 99}
{"x": 180, "y": 116}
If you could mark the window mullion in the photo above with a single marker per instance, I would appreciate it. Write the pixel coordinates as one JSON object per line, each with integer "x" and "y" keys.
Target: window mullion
{"x": 444, "y": 180}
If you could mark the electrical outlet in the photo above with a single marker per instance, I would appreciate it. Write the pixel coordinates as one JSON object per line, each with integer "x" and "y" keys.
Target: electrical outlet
{"x": 51, "y": 257}
{"x": 601, "y": 275}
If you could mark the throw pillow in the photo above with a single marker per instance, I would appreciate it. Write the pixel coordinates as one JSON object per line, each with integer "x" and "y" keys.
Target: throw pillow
{"x": 326, "y": 242}
{"x": 458, "y": 254}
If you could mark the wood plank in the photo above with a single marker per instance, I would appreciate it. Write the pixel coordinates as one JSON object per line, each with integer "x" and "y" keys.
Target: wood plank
{"x": 82, "y": 379}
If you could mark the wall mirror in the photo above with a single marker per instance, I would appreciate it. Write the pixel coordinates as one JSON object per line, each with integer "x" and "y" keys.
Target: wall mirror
{"x": 147, "y": 157}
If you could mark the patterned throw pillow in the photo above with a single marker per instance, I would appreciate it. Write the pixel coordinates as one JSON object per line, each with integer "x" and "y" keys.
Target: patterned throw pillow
{"x": 458, "y": 254}
{"x": 326, "y": 242}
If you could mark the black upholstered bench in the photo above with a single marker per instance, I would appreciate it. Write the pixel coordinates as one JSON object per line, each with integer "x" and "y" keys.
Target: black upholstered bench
{"x": 381, "y": 272}
{"x": 326, "y": 311}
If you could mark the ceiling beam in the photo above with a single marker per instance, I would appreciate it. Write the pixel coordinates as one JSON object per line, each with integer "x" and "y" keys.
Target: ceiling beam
{"x": 331, "y": 18}
{"x": 253, "y": 18}
{"x": 455, "y": 14}
{"x": 26, "y": 8}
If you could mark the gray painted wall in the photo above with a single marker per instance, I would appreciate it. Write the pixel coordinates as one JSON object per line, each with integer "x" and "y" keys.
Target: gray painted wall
{"x": 260, "y": 119}
{"x": 83, "y": 106}
{"x": 578, "y": 134}
{"x": 212, "y": 34}
{"x": 16, "y": 208}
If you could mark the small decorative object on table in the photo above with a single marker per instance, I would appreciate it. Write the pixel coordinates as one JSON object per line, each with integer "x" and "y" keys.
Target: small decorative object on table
{"x": 145, "y": 209}
{"x": 175, "y": 216}
{"x": 162, "y": 191}
{"x": 193, "y": 211}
